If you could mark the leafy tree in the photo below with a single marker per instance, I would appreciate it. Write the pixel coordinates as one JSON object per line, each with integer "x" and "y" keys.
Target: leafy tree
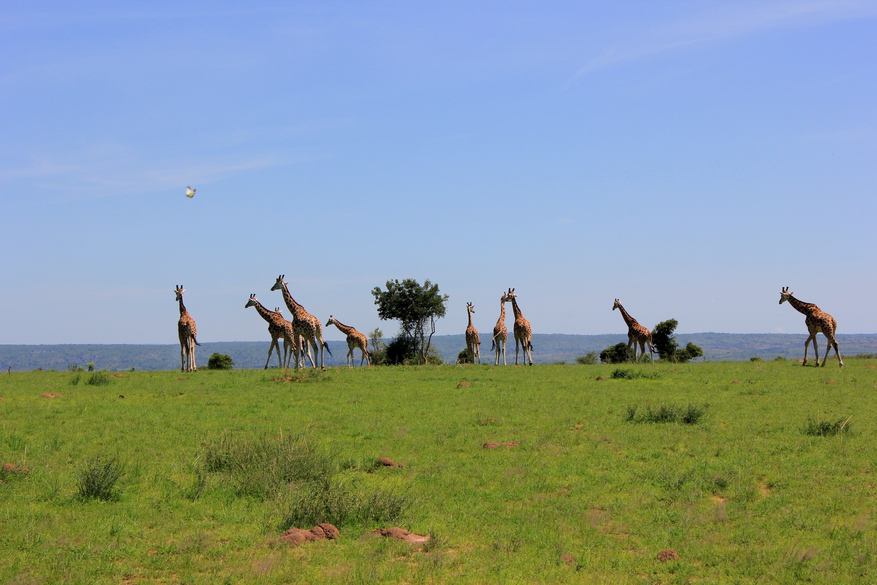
{"x": 219, "y": 361}
{"x": 377, "y": 348}
{"x": 588, "y": 359}
{"x": 400, "y": 351}
{"x": 668, "y": 349}
{"x": 416, "y": 307}
{"x": 465, "y": 357}
{"x": 617, "y": 354}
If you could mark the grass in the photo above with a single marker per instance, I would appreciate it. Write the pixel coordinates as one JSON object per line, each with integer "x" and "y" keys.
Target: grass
{"x": 219, "y": 463}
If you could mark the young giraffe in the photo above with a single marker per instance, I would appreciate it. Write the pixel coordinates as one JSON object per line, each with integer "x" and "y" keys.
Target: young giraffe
{"x": 500, "y": 332}
{"x": 276, "y": 328}
{"x": 473, "y": 342}
{"x": 354, "y": 339}
{"x": 304, "y": 323}
{"x": 636, "y": 334}
{"x": 817, "y": 321}
{"x": 188, "y": 334}
{"x": 523, "y": 332}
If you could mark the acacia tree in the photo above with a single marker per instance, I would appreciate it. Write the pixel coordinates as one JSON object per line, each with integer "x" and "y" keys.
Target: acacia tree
{"x": 415, "y": 306}
{"x": 668, "y": 349}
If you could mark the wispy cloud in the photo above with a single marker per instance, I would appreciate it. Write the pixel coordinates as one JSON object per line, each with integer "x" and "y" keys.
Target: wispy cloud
{"x": 726, "y": 22}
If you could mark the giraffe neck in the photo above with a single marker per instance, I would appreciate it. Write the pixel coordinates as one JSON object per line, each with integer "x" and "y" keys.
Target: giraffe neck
{"x": 345, "y": 329}
{"x": 297, "y": 310}
{"x": 516, "y": 309}
{"x": 801, "y": 306}
{"x": 627, "y": 318}
{"x": 501, "y": 321}
{"x": 470, "y": 319}
{"x": 269, "y": 316}
{"x": 182, "y": 307}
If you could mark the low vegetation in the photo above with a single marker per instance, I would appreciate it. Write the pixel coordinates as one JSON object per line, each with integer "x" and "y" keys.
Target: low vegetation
{"x": 554, "y": 474}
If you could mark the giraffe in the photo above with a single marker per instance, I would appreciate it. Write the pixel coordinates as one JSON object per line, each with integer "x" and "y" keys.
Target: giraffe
{"x": 290, "y": 342}
{"x": 636, "y": 334}
{"x": 276, "y": 328}
{"x": 187, "y": 333}
{"x": 523, "y": 332}
{"x": 354, "y": 339}
{"x": 305, "y": 324}
{"x": 817, "y": 321}
{"x": 473, "y": 342}
{"x": 500, "y": 332}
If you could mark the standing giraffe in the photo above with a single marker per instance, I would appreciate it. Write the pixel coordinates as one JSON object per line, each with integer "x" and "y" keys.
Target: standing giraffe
{"x": 305, "y": 324}
{"x": 188, "y": 334}
{"x": 276, "y": 328}
{"x": 636, "y": 334}
{"x": 817, "y": 321}
{"x": 290, "y": 341}
{"x": 523, "y": 332}
{"x": 500, "y": 332}
{"x": 354, "y": 339}
{"x": 473, "y": 342}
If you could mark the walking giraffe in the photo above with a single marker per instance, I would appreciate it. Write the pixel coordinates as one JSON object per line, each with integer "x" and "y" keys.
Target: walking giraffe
{"x": 305, "y": 324}
{"x": 523, "y": 332}
{"x": 473, "y": 342}
{"x": 354, "y": 339}
{"x": 636, "y": 334}
{"x": 290, "y": 341}
{"x": 817, "y": 321}
{"x": 187, "y": 333}
{"x": 276, "y": 328}
{"x": 500, "y": 332}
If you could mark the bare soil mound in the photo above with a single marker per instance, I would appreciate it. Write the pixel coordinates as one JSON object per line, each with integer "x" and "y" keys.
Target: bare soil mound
{"x": 401, "y": 534}
{"x": 299, "y": 536}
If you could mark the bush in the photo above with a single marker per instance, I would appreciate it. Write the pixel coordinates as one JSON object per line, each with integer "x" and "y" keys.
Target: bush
{"x": 97, "y": 479}
{"x": 668, "y": 348}
{"x": 617, "y": 354}
{"x": 622, "y": 374}
{"x": 589, "y": 359}
{"x": 338, "y": 504}
{"x": 401, "y": 350}
{"x": 98, "y": 379}
{"x": 465, "y": 357}
{"x": 219, "y": 361}
{"x": 667, "y": 413}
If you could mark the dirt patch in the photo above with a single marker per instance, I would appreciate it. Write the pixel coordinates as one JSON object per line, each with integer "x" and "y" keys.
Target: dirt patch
{"x": 600, "y": 378}
{"x": 869, "y": 367}
{"x": 492, "y": 445}
{"x": 51, "y": 395}
{"x": 463, "y": 385}
{"x": 121, "y": 395}
{"x": 569, "y": 560}
{"x": 298, "y": 536}
{"x": 667, "y": 555}
{"x": 401, "y": 534}
{"x": 11, "y": 468}
{"x": 735, "y": 382}
{"x": 831, "y": 382}
{"x": 386, "y": 462}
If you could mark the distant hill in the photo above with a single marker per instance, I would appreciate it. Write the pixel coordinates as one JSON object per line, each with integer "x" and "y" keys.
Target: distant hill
{"x": 547, "y": 348}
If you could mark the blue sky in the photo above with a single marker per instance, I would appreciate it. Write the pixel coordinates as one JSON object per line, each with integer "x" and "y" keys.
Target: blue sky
{"x": 688, "y": 158}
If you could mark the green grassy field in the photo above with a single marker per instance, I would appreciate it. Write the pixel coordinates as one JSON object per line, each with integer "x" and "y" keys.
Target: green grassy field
{"x": 749, "y": 493}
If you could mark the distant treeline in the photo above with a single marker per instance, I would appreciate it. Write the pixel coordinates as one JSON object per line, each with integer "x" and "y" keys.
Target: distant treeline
{"x": 547, "y": 348}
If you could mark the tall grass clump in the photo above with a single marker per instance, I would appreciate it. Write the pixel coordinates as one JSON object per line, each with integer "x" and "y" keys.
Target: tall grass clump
{"x": 97, "y": 478}
{"x": 666, "y": 413}
{"x": 824, "y": 428}
{"x": 338, "y": 503}
{"x": 259, "y": 467}
{"x": 98, "y": 379}
{"x": 624, "y": 374}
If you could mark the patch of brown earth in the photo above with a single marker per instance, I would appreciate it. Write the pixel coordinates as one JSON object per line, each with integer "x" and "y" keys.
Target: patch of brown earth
{"x": 11, "y": 468}
{"x": 51, "y": 395}
{"x": 869, "y": 367}
{"x": 401, "y": 534}
{"x": 735, "y": 381}
{"x": 569, "y": 560}
{"x": 600, "y": 378}
{"x": 492, "y": 445}
{"x": 298, "y": 536}
{"x": 831, "y": 382}
{"x": 463, "y": 385}
{"x": 668, "y": 555}
{"x": 121, "y": 395}
{"x": 386, "y": 462}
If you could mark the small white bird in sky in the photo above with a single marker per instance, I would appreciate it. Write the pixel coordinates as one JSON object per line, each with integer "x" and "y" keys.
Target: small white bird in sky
{"x": 190, "y": 192}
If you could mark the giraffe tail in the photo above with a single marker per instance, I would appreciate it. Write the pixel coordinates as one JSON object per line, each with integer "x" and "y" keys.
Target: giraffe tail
{"x": 326, "y": 347}
{"x": 493, "y": 344}
{"x": 196, "y": 342}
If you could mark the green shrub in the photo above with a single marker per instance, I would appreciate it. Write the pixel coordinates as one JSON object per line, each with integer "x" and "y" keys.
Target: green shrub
{"x": 617, "y": 354}
{"x": 337, "y": 503}
{"x": 97, "y": 479}
{"x": 624, "y": 374}
{"x": 465, "y": 357}
{"x": 589, "y": 359}
{"x": 219, "y": 361}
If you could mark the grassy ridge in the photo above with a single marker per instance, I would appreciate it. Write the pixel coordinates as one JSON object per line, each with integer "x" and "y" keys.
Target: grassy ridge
{"x": 745, "y": 494}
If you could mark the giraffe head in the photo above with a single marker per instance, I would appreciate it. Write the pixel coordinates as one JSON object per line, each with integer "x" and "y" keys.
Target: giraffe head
{"x": 616, "y": 305}
{"x": 509, "y": 296}
{"x": 252, "y": 302}
{"x": 179, "y": 290}
{"x": 278, "y": 310}
{"x": 784, "y": 296}
{"x": 331, "y": 321}
{"x": 470, "y": 307}
{"x": 280, "y": 283}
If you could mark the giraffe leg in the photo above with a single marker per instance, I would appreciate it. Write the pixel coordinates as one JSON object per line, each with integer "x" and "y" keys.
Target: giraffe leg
{"x": 350, "y": 362}
{"x": 816, "y": 351}
{"x": 516, "y": 351}
{"x": 807, "y": 345}
{"x": 832, "y": 342}
{"x": 631, "y": 343}
{"x": 192, "y": 342}
{"x": 503, "y": 353}
{"x": 182, "y": 357}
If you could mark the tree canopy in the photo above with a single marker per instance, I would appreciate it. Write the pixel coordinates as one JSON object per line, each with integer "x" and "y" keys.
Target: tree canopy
{"x": 668, "y": 349}
{"x": 415, "y": 306}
